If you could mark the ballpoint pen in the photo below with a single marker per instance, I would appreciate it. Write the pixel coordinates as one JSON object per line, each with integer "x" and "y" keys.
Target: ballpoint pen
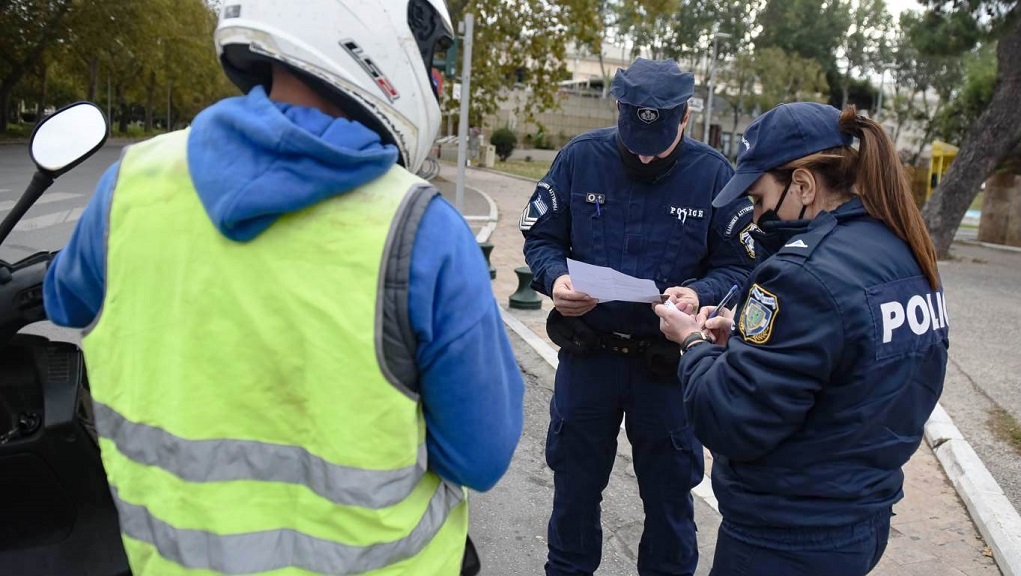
{"x": 726, "y": 300}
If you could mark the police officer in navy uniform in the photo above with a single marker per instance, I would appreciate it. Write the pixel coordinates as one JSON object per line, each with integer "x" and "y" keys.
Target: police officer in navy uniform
{"x": 814, "y": 405}
{"x": 636, "y": 198}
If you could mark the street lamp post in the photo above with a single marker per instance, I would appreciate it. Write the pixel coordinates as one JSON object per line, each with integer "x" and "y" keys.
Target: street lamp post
{"x": 712, "y": 85}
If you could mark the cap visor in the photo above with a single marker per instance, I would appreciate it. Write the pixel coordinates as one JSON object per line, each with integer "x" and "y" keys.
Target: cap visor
{"x": 735, "y": 188}
{"x": 645, "y": 142}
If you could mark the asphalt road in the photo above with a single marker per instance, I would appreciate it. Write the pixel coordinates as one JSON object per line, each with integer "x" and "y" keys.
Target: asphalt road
{"x": 981, "y": 286}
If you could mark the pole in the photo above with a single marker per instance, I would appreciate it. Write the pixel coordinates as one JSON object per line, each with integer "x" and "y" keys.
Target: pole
{"x": 170, "y": 86}
{"x": 879, "y": 100}
{"x": 709, "y": 96}
{"x": 462, "y": 129}
{"x": 109, "y": 103}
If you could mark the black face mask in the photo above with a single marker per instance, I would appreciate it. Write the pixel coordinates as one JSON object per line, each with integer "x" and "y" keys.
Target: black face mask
{"x": 653, "y": 170}
{"x": 772, "y": 233}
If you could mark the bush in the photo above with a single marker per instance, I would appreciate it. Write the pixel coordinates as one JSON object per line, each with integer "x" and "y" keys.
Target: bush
{"x": 543, "y": 141}
{"x": 504, "y": 140}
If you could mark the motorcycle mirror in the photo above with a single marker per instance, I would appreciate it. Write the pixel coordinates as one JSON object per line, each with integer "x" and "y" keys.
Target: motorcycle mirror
{"x": 67, "y": 137}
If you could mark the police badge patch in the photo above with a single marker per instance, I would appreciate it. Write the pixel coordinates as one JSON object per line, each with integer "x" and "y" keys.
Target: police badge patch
{"x": 757, "y": 317}
{"x": 648, "y": 115}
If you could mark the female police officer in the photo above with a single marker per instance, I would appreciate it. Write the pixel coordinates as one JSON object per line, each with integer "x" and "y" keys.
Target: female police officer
{"x": 842, "y": 349}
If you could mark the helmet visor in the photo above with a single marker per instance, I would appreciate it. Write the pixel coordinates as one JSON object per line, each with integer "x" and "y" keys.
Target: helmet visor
{"x": 431, "y": 33}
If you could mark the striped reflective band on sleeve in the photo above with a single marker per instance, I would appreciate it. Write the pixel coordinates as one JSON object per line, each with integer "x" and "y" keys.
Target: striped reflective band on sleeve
{"x": 275, "y": 549}
{"x": 223, "y": 460}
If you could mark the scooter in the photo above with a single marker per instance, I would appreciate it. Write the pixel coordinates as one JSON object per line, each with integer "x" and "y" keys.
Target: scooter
{"x": 56, "y": 514}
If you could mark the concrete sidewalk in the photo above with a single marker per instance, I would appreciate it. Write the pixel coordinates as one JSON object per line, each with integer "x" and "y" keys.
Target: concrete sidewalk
{"x": 932, "y": 531}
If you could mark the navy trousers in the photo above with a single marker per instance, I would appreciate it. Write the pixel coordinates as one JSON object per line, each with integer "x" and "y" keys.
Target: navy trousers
{"x": 591, "y": 395}
{"x": 844, "y": 551}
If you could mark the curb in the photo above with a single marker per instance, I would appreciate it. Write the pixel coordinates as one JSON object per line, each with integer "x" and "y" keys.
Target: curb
{"x": 488, "y": 229}
{"x": 993, "y": 514}
{"x": 1002, "y": 247}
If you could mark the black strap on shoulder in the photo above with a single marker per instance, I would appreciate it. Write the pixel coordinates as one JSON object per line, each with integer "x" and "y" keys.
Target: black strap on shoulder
{"x": 396, "y": 345}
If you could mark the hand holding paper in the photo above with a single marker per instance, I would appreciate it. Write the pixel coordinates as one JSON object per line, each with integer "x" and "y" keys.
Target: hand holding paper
{"x": 608, "y": 285}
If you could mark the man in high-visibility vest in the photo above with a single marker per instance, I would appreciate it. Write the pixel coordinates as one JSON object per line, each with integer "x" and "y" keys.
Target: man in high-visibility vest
{"x": 295, "y": 358}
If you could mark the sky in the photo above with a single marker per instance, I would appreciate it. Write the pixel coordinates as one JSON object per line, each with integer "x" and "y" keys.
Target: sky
{"x": 897, "y": 6}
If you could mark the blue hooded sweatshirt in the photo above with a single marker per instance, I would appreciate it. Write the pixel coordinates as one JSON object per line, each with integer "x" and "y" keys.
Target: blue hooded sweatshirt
{"x": 253, "y": 160}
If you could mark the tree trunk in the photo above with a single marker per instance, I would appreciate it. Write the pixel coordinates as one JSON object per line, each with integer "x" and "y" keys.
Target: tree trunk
{"x": 122, "y": 122}
{"x": 930, "y": 129}
{"x": 1001, "y": 210}
{"x": 150, "y": 91}
{"x": 41, "y": 106}
{"x": 18, "y": 69}
{"x": 844, "y": 90}
{"x": 5, "y": 106}
{"x": 93, "y": 80}
{"x": 992, "y": 137}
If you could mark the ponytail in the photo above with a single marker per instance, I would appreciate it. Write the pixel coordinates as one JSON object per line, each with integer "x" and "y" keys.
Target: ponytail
{"x": 885, "y": 191}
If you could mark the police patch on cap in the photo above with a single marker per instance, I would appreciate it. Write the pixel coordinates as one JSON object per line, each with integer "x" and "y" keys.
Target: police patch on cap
{"x": 758, "y": 315}
{"x": 648, "y": 115}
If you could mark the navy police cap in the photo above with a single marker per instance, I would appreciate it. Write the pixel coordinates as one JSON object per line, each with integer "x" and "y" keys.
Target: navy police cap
{"x": 651, "y": 95}
{"x": 784, "y": 134}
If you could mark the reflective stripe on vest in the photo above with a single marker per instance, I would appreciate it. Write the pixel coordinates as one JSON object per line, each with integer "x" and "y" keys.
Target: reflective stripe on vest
{"x": 259, "y": 551}
{"x": 223, "y": 460}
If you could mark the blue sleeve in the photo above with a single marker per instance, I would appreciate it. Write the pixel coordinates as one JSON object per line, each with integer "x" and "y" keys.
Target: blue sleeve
{"x": 546, "y": 225}
{"x": 76, "y": 279}
{"x": 472, "y": 390}
{"x": 731, "y": 254}
{"x": 744, "y": 400}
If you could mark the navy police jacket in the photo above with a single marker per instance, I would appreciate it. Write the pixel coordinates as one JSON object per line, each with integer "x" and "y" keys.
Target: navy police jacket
{"x": 821, "y": 395}
{"x": 589, "y": 209}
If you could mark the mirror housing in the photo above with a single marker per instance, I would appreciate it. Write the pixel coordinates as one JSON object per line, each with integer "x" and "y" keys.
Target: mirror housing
{"x": 67, "y": 137}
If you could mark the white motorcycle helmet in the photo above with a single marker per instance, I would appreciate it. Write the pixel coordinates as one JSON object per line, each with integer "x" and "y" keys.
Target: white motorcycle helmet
{"x": 372, "y": 57}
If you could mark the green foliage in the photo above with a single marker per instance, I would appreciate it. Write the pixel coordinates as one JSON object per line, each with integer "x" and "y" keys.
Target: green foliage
{"x": 917, "y": 75}
{"x": 787, "y": 77}
{"x": 505, "y": 140}
{"x": 542, "y": 140}
{"x": 810, "y": 29}
{"x": 523, "y": 41}
{"x": 972, "y": 98}
{"x": 866, "y": 46}
{"x": 131, "y": 56}
{"x": 681, "y": 29}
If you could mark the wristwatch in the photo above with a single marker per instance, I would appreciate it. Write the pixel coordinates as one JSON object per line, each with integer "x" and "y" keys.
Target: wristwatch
{"x": 691, "y": 340}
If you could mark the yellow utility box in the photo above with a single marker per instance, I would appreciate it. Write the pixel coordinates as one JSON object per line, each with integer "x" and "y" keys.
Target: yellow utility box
{"x": 943, "y": 155}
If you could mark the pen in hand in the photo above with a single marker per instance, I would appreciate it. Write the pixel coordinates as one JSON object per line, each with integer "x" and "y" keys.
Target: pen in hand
{"x": 724, "y": 302}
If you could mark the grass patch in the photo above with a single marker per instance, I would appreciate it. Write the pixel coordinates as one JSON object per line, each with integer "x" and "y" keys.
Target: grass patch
{"x": 1005, "y": 427}
{"x": 976, "y": 204}
{"x": 534, "y": 170}
{"x": 17, "y": 132}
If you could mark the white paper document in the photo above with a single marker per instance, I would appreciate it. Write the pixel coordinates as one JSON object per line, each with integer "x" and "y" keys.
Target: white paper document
{"x": 607, "y": 285}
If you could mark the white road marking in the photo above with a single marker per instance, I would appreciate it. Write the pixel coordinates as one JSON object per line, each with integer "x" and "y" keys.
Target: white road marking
{"x": 48, "y": 220}
{"x": 6, "y": 205}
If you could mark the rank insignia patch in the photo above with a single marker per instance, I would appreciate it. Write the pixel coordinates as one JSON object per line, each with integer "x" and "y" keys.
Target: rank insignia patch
{"x": 758, "y": 315}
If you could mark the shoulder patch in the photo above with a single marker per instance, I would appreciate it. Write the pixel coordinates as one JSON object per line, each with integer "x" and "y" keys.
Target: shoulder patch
{"x": 543, "y": 200}
{"x": 745, "y": 236}
{"x": 552, "y": 195}
{"x": 758, "y": 315}
{"x": 729, "y": 230}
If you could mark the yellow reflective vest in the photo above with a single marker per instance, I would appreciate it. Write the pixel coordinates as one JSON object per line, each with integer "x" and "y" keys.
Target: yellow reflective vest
{"x": 248, "y": 421}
